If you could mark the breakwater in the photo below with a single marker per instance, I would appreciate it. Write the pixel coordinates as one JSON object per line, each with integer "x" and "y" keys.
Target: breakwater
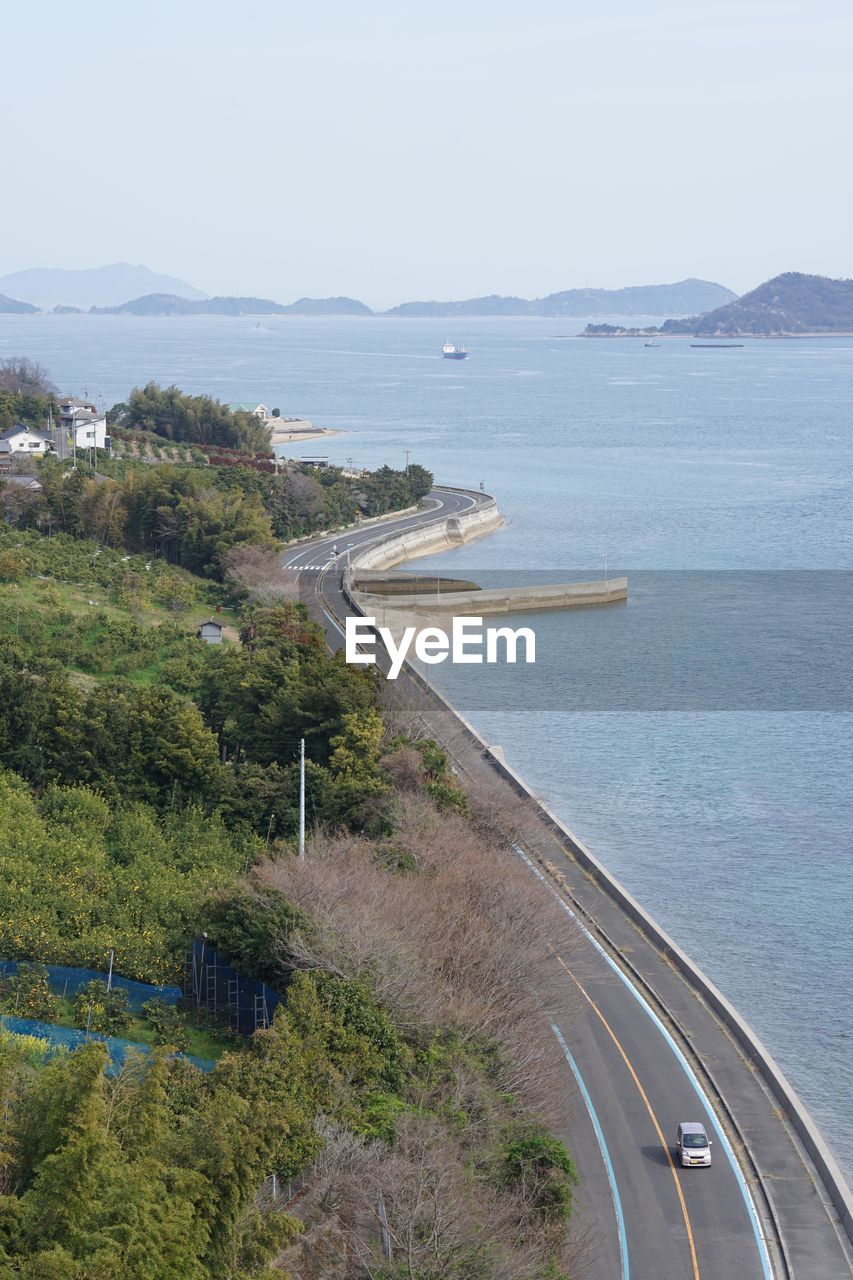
{"x": 569, "y": 595}
{"x": 444, "y": 535}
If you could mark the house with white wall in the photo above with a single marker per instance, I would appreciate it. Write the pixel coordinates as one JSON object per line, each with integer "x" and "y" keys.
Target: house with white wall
{"x": 84, "y": 424}
{"x": 24, "y": 440}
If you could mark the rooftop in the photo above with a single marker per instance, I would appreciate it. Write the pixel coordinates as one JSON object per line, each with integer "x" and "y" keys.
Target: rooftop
{"x": 20, "y": 429}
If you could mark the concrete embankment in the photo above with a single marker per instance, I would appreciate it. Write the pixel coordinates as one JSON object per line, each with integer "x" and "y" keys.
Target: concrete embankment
{"x": 821, "y": 1157}
{"x": 569, "y": 595}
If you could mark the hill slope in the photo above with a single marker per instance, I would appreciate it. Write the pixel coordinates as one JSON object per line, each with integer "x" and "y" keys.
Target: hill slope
{"x": 93, "y": 286}
{"x": 685, "y": 297}
{"x": 11, "y": 306}
{"x": 790, "y": 303}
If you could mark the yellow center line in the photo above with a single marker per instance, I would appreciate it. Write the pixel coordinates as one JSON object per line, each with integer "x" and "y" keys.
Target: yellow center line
{"x": 652, "y": 1115}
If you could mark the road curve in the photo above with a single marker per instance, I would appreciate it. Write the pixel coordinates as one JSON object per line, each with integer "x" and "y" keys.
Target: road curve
{"x": 644, "y": 1053}
{"x": 319, "y": 553}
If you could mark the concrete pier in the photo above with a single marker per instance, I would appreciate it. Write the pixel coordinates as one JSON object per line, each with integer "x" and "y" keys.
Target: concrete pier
{"x": 527, "y": 599}
{"x": 455, "y": 531}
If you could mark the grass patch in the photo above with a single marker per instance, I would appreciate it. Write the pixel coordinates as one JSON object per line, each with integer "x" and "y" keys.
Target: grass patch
{"x": 203, "y": 1040}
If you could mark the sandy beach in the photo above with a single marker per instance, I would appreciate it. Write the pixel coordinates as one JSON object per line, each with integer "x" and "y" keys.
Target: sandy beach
{"x": 281, "y": 435}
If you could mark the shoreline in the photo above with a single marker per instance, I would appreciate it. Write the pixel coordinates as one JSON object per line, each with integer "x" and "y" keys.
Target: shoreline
{"x": 291, "y": 437}
{"x": 728, "y": 1086}
{"x": 720, "y": 337}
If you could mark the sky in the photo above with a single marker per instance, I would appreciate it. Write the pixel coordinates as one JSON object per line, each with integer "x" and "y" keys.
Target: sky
{"x": 423, "y": 149}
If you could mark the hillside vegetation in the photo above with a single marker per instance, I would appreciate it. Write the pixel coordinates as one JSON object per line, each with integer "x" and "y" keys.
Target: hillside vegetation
{"x": 788, "y": 304}
{"x": 149, "y": 788}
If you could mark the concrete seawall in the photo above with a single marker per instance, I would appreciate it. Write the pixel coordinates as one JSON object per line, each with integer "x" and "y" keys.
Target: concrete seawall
{"x": 453, "y": 532}
{"x": 570, "y": 595}
{"x": 441, "y": 535}
{"x": 824, "y": 1162}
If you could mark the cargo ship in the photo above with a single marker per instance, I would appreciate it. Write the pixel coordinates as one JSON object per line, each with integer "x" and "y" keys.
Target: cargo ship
{"x": 452, "y": 352}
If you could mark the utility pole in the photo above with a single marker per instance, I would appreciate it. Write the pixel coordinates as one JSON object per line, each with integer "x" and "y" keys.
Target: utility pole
{"x": 302, "y": 798}
{"x": 110, "y": 974}
{"x": 384, "y": 1233}
{"x": 408, "y": 451}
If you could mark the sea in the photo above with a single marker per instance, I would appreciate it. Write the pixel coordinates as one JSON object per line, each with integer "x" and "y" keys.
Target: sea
{"x": 698, "y": 737}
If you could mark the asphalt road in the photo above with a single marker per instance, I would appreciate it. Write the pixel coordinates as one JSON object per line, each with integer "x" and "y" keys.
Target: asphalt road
{"x": 320, "y": 553}
{"x": 631, "y": 1072}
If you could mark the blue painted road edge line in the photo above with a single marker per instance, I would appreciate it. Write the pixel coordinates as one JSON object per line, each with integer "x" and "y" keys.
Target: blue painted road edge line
{"x": 752, "y": 1212}
{"x": 605, "y": 1154}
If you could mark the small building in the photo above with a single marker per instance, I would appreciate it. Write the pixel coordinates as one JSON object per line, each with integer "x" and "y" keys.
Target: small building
{"x": 210, "y": 631}
{"x": 260, "y": 411}
{"x": 24, "y": 440}
{"x": 314, "y": 461}
{"x": 28, "y": 483}
{"x": 83, "y": 424}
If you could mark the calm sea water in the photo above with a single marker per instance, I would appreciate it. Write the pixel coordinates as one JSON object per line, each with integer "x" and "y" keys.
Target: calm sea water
{"x": 697, "y": 738}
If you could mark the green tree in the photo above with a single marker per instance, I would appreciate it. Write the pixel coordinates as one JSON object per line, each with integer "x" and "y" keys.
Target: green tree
{"x": 100, "y": 1009}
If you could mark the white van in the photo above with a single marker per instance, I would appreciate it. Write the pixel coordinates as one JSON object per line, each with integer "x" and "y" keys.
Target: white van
{"x": 692, "y": 1144}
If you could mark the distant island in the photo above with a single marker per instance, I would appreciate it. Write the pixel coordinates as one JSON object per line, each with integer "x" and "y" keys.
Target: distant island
{"x": 121, "y": 289}
{"x": 169, "y": 304}
{"x": 789, "y": 304}
{"x": 685, "y": 297}
{"x": 53, "y": 287}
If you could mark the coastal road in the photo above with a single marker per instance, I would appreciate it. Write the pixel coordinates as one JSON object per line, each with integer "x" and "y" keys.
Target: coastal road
{"x": 644, "y": 1053}
{"x": 319, "y": 553}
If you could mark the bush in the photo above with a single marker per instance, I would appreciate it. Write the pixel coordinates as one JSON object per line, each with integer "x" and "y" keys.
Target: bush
{"x": 100, "y": 1009}
{"x": 447, "y": 795}
{"x": 540, "y": 1168}
{"x": 27, "y": 993}
{"x": 14, "y": 565}
{"x": 31, "y": 1050}
{"x": 166, "y": 1023}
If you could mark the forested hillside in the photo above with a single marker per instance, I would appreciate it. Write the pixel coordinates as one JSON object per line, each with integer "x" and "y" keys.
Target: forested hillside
{"x": 148, "y": 795}
{"x": 788, "y": 304}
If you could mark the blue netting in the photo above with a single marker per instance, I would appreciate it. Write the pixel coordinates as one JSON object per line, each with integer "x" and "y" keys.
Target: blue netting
{"x": 72, "y": 1038}
{"x": 210, "y": 982}
{"x": 66, "y": 981}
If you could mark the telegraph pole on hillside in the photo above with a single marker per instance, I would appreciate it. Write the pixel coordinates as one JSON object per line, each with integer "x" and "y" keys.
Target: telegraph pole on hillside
{"x": 302, "y": 797}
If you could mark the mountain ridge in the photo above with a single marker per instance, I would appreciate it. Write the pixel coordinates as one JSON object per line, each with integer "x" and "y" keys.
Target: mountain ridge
{"x": 790, "y": 303}
{"x": 686, "y": 297}
{"x": 46, "y": 287}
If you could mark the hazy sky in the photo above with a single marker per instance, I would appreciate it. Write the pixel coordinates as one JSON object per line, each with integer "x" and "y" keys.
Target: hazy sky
{"x": 423, "y": 149}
